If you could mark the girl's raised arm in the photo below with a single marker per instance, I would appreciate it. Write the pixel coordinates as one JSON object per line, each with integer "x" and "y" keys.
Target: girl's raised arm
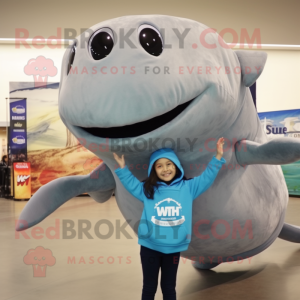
{"x": 130, "y": 182}
{"x": 200, "y": 184}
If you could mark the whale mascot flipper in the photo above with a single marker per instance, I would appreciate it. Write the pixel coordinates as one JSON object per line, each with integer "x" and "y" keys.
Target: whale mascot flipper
{"x": 173, "y": 89}
{"x": 99, "y": 184}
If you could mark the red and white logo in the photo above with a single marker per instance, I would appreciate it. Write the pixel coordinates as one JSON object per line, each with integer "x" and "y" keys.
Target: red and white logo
{"x": 21, "y": 179}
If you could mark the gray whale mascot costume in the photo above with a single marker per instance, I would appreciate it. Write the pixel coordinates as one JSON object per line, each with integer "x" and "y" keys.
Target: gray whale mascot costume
{"x": 125, "y": 93}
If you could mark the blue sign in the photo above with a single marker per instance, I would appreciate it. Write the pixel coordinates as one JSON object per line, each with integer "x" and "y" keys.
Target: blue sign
{"x": 285, "y": 123}
{"x": 18, "y": 130}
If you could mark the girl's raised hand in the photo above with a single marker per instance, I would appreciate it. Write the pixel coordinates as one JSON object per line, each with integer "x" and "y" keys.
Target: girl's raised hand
{"x": 220, "y": 144}
{"x": 120, "y": 161}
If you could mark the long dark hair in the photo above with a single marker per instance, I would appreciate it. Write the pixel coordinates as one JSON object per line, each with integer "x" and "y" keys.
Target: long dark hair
{"x": 152, "y": 183}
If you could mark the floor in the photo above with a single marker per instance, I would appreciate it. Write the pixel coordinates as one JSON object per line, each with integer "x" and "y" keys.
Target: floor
{"x": 93, "y": 267}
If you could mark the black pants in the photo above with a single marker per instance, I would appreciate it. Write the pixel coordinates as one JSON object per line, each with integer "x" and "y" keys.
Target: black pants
{"x": 151, "y": 262}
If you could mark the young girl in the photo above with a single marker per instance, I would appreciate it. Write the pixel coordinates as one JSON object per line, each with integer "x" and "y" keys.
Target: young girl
{"x": 166, "y": 223}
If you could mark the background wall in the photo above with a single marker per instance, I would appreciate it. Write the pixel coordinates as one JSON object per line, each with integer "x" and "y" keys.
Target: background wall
{"x": 278, "y": 21}
{"x": 12, "y": 63}
{"x": 278, "y": 87}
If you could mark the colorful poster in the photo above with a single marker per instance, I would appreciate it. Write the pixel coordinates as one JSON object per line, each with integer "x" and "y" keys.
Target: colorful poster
{"x": 18, "y": 135}
{"x": 22, "y": 180}
{"x": 53, "y": 151}
{"x": 285, "y": 123}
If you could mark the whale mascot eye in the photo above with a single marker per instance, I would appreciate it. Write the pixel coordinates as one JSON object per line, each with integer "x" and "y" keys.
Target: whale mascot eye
{"x": 101, "y": 43}
{"x": 150, "y": 39}
{"x": 71, "y": 58}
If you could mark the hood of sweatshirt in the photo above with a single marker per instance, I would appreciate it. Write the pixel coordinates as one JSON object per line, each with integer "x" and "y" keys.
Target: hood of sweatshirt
{"x": 169, "y": 154}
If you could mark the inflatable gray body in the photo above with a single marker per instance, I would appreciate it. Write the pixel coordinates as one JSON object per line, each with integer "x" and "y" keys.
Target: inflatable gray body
{"x": 133, "y": 103}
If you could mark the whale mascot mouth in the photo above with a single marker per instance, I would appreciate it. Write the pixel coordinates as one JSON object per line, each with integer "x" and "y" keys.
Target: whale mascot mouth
{"x": 139, "y": 128}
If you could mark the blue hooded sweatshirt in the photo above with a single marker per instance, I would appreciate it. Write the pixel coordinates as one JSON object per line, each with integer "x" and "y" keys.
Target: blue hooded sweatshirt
{"x": 166, "y": 222}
